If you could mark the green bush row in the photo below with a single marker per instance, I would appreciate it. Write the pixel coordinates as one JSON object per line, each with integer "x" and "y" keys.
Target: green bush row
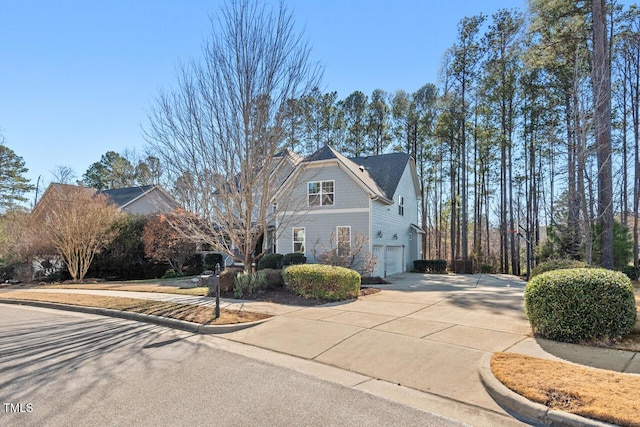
{"x": 430, "y": 266}
{"x": 242, "y": 283}
{"x": 322, "y": 281}
{"x": 580, "y": 304}
{"x": 631, "y": 272}
{"x": 278, "y": 261}
{"x": 557, "y": 264}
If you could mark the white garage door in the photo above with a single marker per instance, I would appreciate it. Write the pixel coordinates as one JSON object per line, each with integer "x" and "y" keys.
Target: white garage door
{"x": 378, "y": 253}
{"x": 394, "y": 260}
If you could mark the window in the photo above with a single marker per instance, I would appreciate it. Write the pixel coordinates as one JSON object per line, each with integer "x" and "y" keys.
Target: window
{"x": 401, "y": 206}
{"x": 344, "y": 240}
{"x": 321, "y": 193}
{"x": 298, "y": 239}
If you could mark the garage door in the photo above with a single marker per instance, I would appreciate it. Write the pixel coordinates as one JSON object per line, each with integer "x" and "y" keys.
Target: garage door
{"x": 378, "y": 253}
{"x": 394, "y": 260}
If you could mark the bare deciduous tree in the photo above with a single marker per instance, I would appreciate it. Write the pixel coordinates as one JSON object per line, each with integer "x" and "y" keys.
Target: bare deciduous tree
{"x": 63, "y": 174}
{"x": 354, "y": 255}
{"x": 221, "y": 126}
{"x": 78, "y": 224}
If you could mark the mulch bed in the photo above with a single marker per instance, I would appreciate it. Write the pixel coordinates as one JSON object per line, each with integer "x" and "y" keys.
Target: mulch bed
{"x": 283, "y": 296}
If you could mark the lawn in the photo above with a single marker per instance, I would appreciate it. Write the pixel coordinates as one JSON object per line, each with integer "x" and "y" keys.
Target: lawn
{"x": 182, "y": 286}
{"x": 204, "y": 315}
{"x": 594, "y": 393}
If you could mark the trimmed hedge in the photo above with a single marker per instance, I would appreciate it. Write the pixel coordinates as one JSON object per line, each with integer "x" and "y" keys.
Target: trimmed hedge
{"x": 557, "y": 264}
{"x": 322, "y": 281}
{"x": 294, "y": 259}
{"x": 631, "y": 272}
{"x": 210, "y": 261}
{"x": 580, "y": 304}
{"x": 228, "y": 278}
{"x": 273, "y": 261}
{"x": 273, "y": 278}
{"x": 430, "y": 266}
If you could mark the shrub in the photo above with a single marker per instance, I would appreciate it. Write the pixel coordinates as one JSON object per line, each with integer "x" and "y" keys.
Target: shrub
{"x": 249, "y": 283}
{"x": 273, "y": 261}
{"x": 430, "y": 265}
{"x": 228, "y": 278}
{"x": 557, "y": 264}
{"x": 487, "y": 268}
{"x": 273, "y": 278}
{"x": 580, "y": 304}
{"x": 170, "y": 274}
{"x": 210, "y": 261}
{"x": 322, "y": 281}
{"x": 631, "y": 272}
{"x": 194, "y": 265}
{"x": 294, "y": 259}
{"x": 124, "y": 258}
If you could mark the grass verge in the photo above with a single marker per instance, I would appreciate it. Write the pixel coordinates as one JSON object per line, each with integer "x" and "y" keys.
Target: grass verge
{"x": 594, "y": 393}
{"x": 151, "y": 287}
{"x": 188, "y": 312}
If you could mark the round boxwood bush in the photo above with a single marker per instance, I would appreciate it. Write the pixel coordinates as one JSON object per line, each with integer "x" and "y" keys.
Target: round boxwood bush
{"x": 273, "y": 261}
{"x": 557, "y": 264}
{"x": 580, "y": 304}
{"x": 322, "y": 281}
{"x": 294, "y": 258}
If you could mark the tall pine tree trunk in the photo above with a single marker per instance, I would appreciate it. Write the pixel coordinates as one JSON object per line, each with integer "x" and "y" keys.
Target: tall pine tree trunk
{"x": 602, "y": 99}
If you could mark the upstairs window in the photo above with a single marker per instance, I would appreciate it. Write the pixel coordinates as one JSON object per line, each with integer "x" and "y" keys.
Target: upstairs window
{"x": 321, "y": 193}
{"x": 298, "y": 240}
{"x": 401, "y": 206}
{"x": 344, "y": 241}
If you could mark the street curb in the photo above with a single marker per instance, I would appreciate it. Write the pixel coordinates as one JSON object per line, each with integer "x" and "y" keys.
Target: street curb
{"x": 183, "y": 325}
{"x": 526, "y": 410}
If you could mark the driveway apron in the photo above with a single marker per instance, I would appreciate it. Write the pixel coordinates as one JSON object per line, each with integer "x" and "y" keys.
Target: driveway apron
{"x": 426, "y": 332}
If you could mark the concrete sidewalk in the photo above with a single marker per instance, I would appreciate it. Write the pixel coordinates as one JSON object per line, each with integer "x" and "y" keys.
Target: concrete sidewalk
{"x": 420, "y": 340}
{"x": 422, "y": 332}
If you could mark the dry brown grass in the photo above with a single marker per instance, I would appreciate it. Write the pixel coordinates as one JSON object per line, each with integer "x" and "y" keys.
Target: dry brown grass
{"x": 196, "y": 291}
{"x": 594, "y": 393}
{"x": 191, "y": 313}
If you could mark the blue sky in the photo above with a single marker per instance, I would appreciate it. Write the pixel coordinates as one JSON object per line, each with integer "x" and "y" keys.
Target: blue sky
{"x": 77, "y": 77}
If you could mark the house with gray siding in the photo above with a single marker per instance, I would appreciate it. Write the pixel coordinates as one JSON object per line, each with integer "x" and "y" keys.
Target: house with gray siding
{"x": 142, "y": 200}
{"x": 375, "y": 197}
{"x": 139, "y": 200}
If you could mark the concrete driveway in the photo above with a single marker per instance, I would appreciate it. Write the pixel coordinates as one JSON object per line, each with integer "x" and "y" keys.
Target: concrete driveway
{"x": 422, "y": 332}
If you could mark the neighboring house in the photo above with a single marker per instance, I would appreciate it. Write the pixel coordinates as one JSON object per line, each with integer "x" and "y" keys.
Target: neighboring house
{"x": 375, "y": 196}
{"x": 141, "y": 200}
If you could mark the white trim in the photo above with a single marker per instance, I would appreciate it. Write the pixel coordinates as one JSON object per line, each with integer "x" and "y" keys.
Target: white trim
{"x": 325, "y": 211}
{"x": 304, "y": 240}
{"x": 321, "y": 193}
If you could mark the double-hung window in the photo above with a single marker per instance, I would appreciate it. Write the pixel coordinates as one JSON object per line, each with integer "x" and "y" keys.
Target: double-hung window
{"x": 298, "y": 240}
{"x": 401, "y": 206}
{"x": 344, "y": 241}
{"x": 321, "y": 193}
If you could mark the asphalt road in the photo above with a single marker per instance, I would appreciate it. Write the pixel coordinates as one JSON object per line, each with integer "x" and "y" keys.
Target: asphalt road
{"x": 71, "y": 369}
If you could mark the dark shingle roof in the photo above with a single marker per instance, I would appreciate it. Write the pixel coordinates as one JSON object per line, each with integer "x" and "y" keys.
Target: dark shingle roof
{"x": 381, "y": 173}
{"x": 385, "y": 169}
{"x": 325, "y": 153}
{"x": 124, "y": 196}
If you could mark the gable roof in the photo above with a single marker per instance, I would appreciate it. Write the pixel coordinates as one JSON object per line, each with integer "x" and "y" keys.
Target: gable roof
{"x": 385, "y": 169}
{"x": 125, "y": 196}
{"x": 381, "y": 173}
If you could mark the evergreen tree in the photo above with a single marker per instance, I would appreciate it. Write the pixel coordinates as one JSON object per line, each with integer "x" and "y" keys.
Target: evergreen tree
{"x": 13, "y": 183}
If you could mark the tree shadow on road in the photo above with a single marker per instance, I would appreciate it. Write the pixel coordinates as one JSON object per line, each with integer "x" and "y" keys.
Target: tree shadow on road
{"x": 70, "y": 356}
